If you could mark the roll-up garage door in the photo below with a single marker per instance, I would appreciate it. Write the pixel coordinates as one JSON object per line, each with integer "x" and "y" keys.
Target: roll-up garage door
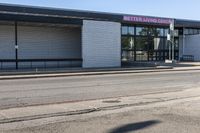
{"x": 7, "y": 46}
{"x": 36, "y": 42}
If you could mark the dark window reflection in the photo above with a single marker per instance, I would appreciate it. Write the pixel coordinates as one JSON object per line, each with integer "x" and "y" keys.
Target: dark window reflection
{"x": 141, "y": 31}
{"x": 142, "y": 43}
{"x": 127, "y": 43}
{"x": 124, "y": 30}
{"x": 147, "y": 43}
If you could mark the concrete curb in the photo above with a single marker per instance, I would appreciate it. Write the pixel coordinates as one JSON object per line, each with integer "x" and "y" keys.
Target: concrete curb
{"x": 78, "y": 70}
{"x": 90, "y": 73}
{"x": 26, "y": 75}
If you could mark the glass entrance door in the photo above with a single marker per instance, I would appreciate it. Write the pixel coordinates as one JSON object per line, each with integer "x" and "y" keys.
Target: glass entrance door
{"x": 128, "y": 47}
{"x": 141, "y": 48}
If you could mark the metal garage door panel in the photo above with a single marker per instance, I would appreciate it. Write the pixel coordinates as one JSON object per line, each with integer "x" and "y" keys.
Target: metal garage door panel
{"x": 7, "y": 45}
{"x": 36, "y": 42}
{"x": 49, "y": 42}
{"x": 7, "y": 42}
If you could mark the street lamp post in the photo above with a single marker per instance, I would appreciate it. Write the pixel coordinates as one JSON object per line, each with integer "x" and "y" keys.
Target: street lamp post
{"x": 170, "y": 39}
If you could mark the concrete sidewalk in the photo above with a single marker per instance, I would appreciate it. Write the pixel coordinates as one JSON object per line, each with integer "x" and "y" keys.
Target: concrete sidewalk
{"x": 76, "y": 72}
{"x": 65, "y": 73}
{"x": 44, "y": 73}
{"x": 83, "y": 107}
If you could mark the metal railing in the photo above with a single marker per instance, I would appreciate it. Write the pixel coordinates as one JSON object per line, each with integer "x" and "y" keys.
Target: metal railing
{"x": 187, "y": 58}
{"x": 151, "y": 55}
{"x": 39, "y": 63}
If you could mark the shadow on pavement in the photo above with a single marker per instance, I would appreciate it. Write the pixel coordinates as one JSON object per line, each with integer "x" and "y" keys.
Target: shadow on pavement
{"x": 134, "y": 126}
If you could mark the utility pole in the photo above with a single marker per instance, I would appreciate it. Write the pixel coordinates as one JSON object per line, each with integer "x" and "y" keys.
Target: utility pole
{"x": 170, "y": 39}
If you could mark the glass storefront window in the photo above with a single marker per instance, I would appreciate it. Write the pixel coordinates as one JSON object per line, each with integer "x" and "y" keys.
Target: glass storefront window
{"x": 166, "y": 31}
{"x": 158, "y": 43}
{"x": 147, "y": 43}
{"x": 166, "y": 44}
{"x": 160, "y": 31}
{"x": 131, "y": 30}
{"x": 176, "y": 43}
{"x": 142, "y": 43}
{"x": 128, "y": 30}
{"x": 127, "y": 48}
{"x": 152, "y": 31}
{"x": 124, "y": 30}
{"x": 127, "y": 43}
{"x": 141, "y": 55}
{"x": 141, "y": 31}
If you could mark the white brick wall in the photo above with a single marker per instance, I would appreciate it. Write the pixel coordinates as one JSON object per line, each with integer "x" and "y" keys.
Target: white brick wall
{"x": 192, "y": 46}
{"x": 101, "y": 44}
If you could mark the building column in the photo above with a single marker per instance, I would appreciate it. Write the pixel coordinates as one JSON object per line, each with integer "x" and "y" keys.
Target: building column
{"x": 101, "y": 44}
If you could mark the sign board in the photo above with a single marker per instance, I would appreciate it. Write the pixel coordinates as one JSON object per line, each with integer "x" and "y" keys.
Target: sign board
{"x": 131, "y": 42}
{"x": 168, "y": 37}
{"x": 143, "y": 19}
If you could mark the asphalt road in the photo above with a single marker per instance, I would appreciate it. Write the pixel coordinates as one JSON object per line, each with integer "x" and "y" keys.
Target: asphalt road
{"x": 182, "y": 117}
{"x": 23, "y": 92}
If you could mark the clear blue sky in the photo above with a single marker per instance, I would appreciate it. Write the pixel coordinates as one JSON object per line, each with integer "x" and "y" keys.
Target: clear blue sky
{"x": 186, "y": 9}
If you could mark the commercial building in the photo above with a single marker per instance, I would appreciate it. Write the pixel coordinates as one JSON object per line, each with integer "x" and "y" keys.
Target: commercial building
{"x": 32, "y": 37}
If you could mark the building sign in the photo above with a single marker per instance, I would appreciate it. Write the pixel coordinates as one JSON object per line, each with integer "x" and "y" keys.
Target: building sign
{"x": 142, "y": 19}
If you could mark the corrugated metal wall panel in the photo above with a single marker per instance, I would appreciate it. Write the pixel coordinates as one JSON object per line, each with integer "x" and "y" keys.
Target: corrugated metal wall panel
{"x": 7, "y": 42}
{"x": 7, "y": 45}
{"x": 48, "y": 43}
{"x": 192, "y": 46}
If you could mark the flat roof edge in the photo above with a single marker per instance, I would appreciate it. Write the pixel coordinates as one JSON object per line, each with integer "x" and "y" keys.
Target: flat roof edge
{"x": 78, "y": 14}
